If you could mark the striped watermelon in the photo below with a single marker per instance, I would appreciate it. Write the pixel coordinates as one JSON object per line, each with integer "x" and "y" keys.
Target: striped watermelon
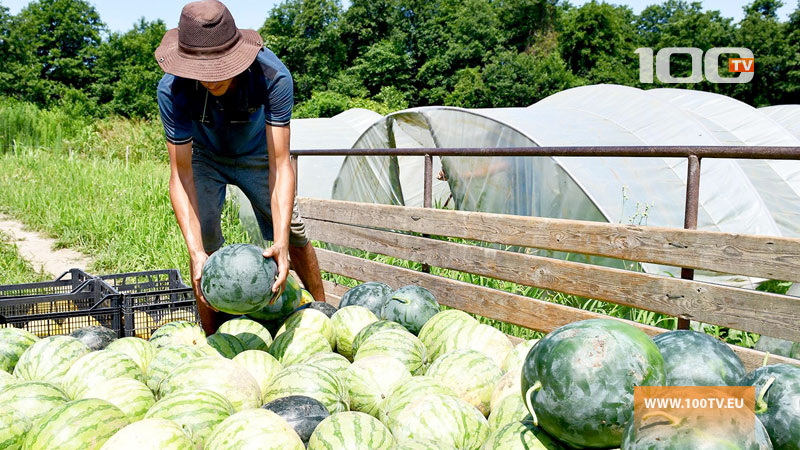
{"x": 197, "y": 411}
{"x": 482, "y": 338}
{"x": 398, "y": 344}
{"x": 167, "y": 359}
{"x": 220, "y": 375}
{"x": 237, "y": 279}
{"x": 14, "y": 427}
{"x": 312, "y": 320}
{"x": 472, "y": 375}
{"x": 520, "y": 436}
{"x": 132, "y": 396}
{"x": 139, "y": 350}
{"x": 305, "y": 297}
{"x": 370, "y": 380}
{"x": 261, "y": 365}
{"x": 444, "y": 419}
{"x": 150, "y": 434}
{"x": 295, "y": 346}
{"x": 411, "y": 306}
{"x": 510, "y": 409}
{"x": 373, "y": 328}
{"x": 252, "y": 334}
{"x": 302, "y": 413}
{"x": 438, "y": 329}
{"x": 95, "y": 367}
{"x": 180, "y": 332}
{"x": 516, "y": 357}
{"x": 422, "y": 445}
{"x": 226, "y": 345}
{"x": 406, "y": 393}
{"x": 325, "y": 308}
{"x": 312, "y": 381}
{"x": 371, "y": 295}
{"x": 347, "y": 322}
{"x": 6, "y": 379}
{"x": 84, "y": 424}
{"x": 508, "y": 385}
{"x": 334, "y": 362}
{"x": 352, "y": 431}
{"x": 13, "y": 343}
{"x": 254, "y": 429}
{"x": 34, "y": 399}
{"x": 49, "y": 359}
{"x": 96, "y": 337}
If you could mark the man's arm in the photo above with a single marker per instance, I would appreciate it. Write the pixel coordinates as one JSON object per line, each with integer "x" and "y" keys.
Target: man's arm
{"x": 282, "y": 188}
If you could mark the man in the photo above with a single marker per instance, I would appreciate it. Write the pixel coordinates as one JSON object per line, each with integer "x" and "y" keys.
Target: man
{"x": 225, "y": 103}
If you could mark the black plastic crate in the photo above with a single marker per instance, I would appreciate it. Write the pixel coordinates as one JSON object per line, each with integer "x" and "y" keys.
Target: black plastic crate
{"x": 147, "y": 281}
{"x": 69, "y": 281}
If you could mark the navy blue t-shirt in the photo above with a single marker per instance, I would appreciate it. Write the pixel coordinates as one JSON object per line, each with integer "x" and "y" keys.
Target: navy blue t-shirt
{"x": 233, "y": 123}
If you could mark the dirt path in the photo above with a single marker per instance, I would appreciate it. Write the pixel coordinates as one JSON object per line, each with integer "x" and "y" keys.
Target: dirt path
{"x": 39, "y": 249}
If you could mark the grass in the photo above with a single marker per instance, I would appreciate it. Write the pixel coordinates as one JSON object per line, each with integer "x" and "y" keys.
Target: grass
{"x": 14, "y": 269}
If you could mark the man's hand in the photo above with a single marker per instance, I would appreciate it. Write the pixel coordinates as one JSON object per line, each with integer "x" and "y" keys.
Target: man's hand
{"x": 281, "y": 254}
{"x": 197, "y": 263}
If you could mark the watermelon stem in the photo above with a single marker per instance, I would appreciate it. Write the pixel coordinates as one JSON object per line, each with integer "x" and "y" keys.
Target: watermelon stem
{"x": 536, "y": 386}
{"x": 766, "y": 359}
{"x": 673, "y": 421}
{"x": 761, "y": 405}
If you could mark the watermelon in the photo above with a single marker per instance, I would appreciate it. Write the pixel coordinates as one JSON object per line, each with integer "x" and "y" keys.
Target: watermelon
{"x": 410, "y": 306}
{"x": 311, "y": 319}
{"x": 779, "y": 347}
{"x": 295, "y": 346}
{"x": 520, "y": 436}
{"x": 479, "y": 337}
{"x": 150, "y": 434}
{"x": 180, "y": 332}
{"x": 472, "y": 375}
{"x": 334, "y": 362}
{"x": 237, "y": 279}
{"x": 692, "y": 358}
{"x": 261, "y": 365}
{"x": 508, "y": 385}
{"x": 13, "y": 343}
{"x": 255, "y": 429}
{"x": 406, "y": 393}
{"x": 398, "y": 344}
{"x": 137, "y": 349}
{"x": 442, "y": 418}
{"x": 352, "y": 431}
{"x": 252, "y": 334}
{"x": 311, "y": 381}
{"x": 166, "y": 359}
{"x": 227, "y": 345}
{"x": 34, "y": 399}
{"x": 197, "y": 411}
{"x": 422, "y": 445}
{"x": 578, "y": 380}
{"x": 131, "y": 396}
{"x": 370, "y": 380}
{"x": 95, "y": 337}
{"x": 98, "y": 366}
{"x": 302, "y": 413}
{"x": 347, "y": 322}
{"x": 778, "y": 402}
{"x": 49, "y": 359}
{"x": 14, "y": 427}
{"x": 371, "y": 295}
{"x": 84, "y": 424}
{"x": 516, "y": 357}
{"x": 6, "y": 379}
{"x": 373, "y": 328}
{"x": 284, "y": 305}
{"x": 510, "y": 409}
{"x": 438, "y": 329}
{"x": 322, "y": 307}
{"x": 220, "y": 375}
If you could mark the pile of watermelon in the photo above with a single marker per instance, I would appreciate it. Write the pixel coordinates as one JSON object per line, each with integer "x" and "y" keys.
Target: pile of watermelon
{"x": 389, "y": 369}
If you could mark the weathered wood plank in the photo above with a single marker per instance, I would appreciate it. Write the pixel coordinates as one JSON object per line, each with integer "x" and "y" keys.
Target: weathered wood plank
{"x": 760, "y": 312}
{"x": 504, "y": 306}
{"x": 758, "y": 256}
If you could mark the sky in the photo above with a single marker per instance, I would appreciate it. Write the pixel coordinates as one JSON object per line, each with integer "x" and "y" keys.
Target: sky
{"x": 121, "y": 15}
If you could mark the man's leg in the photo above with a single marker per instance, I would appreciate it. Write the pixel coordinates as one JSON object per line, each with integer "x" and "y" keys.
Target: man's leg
{"x": 304, "y": 262}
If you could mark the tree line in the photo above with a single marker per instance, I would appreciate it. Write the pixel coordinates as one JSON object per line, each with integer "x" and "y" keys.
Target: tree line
{"x": 392, "y": 54}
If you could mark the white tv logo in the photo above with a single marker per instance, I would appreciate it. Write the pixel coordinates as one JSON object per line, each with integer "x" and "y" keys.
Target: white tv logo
{"x": 708, "y": 65}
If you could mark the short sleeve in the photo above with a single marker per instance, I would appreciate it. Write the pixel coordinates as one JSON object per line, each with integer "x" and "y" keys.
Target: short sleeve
{"x": 174, "y": 110}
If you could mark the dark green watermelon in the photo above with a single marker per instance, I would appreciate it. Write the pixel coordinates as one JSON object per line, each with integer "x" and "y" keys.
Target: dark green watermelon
{"x": 410, "y": 306}
{"x": 302, "y": 413}
{"x": 237, "y": 279}
{"x": 371, "y": 295}
{"x": 692, "y": 358}
{"x": 579, "y": 379}
{"x": 778, "y": 403}
{"x": 283, "y": 306}
{"x": 95, "y": 337}
{"x": 226, "y": 344}
{"x": 326, "y": 308}
{"x": 373, "y": 328}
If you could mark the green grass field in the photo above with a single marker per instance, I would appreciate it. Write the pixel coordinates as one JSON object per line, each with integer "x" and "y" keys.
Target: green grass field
{"x": 14, "y": 269}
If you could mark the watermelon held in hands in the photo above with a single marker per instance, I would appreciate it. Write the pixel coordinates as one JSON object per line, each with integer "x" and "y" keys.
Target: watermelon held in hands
{"x": 237, "y": 279}
{"x": 283, "y": 306}
{"x": 410, "y": 306}
{"x": 302, "y": 413}
{"x": 371, "y": 295}
{"x": 692, "y": 358}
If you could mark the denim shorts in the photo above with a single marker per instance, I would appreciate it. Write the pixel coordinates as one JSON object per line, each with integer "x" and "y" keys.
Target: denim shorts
{"x": 250, "y": 173}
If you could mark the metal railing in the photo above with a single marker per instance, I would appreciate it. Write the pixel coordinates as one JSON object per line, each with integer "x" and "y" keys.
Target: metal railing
{"x": 693, "y": 154}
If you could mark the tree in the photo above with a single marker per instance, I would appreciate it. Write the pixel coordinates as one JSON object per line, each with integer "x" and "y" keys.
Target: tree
{"x": 365, "y": 23}
{"x": 522, "y": 20}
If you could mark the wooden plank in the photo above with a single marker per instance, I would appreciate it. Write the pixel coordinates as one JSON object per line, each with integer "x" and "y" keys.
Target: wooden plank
{"x": 504, "y": 306}
{"x": 758, "y": 256}
{"x": 333, "y": 291}
{"x": 760, "y": 312}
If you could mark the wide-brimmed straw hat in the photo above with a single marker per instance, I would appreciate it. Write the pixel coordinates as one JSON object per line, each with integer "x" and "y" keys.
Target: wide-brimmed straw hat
{"x": 207, "y": 46}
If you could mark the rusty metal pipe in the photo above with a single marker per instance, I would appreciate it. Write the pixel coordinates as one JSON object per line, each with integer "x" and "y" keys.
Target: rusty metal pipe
{"x": 690, "y": 215}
